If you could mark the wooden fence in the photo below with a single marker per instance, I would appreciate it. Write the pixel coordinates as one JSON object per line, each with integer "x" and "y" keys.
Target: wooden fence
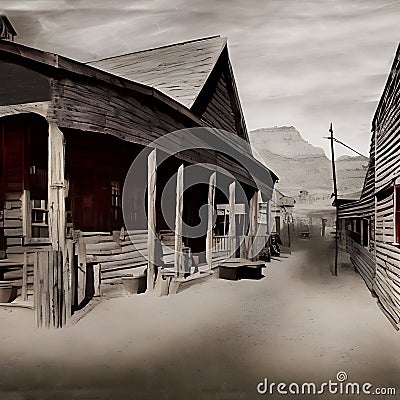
{"x": 52, "y": 288}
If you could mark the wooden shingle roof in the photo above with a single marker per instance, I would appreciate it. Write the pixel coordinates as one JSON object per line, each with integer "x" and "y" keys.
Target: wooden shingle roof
{"x": 178, "y": 70}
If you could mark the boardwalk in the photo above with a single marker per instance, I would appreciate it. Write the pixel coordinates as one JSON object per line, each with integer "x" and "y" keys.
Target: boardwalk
{"x": 297, "y": 324}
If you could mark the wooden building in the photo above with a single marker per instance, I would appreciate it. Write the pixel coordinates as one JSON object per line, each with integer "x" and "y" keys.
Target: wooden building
{"x": 69, "y": 134}
{"x": 370, "y": 226}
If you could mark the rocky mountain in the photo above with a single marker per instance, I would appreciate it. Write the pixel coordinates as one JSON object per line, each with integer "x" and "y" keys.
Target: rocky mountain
{"x": 304, "y": 170}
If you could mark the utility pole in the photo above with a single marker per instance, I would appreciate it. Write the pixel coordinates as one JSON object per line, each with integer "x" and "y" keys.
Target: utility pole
{"x": 335, "y": 269}
{"x": 333, "y": 139}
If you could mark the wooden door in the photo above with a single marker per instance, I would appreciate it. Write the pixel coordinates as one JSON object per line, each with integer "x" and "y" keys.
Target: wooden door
{"x": 12, "y": 165}
{"x": 90, "y": 197}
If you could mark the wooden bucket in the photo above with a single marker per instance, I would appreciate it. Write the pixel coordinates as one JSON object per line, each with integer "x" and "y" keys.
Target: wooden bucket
{"x": 134, "y": 284}
{"x": 6, "y": 293}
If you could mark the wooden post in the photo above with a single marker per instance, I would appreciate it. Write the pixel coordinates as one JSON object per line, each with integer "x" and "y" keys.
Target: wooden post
{"x": 50, "y": 288}
{"x": 178, "y": 222}
{"x": 25, "y": 278}
{"x": 232, "y": 219}
{"x": 210, "y": 222}
{"x": 81, "y": 270}
{"x": 36, "y": 288}
{"x": 253, "y": 225}
{"x": 69, "y": 279}
{"x": 151, "y": 218}
{"x": 97, "y": 280}
{"x": 44, "y": 268}
{"x": 56, "y": 187}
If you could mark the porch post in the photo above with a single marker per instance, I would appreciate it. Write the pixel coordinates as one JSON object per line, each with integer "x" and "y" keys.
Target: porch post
{"x": 232, "y": 219}
{"x": 178, "y": 222}
{"x": 56, "y": 187}
{"x": 209, "y": 237}
{"x": 253, "y": 224}
{"x": 151, "y": 217}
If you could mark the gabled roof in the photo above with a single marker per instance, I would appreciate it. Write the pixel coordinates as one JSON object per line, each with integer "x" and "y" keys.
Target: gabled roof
{"x": 388, "y": 90}
{"x": 179, "y": 70}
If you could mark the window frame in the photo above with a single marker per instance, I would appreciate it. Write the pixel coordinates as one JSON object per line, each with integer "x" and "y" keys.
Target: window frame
{"x": 27, "y": 221}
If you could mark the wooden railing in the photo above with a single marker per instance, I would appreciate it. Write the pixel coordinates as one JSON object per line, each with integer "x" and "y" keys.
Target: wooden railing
{"x": 221, "y": 243}
{"x": 224, "y": 245}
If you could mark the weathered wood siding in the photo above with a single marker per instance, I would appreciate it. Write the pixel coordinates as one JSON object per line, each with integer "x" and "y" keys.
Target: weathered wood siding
{"x": 365, "y": 206}
{"x": 386, "y": 127}
{"x": 218, "y": 103}
{"x": 362, "y": 257}
{"x": 363, "y": 260}
{"x": 93, "y": 107}
{"x": 380, "y": 267}
{"x": 218, "y": 111}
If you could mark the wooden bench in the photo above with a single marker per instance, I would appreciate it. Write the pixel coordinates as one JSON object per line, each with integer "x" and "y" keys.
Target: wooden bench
{"x": 236, "y": 269}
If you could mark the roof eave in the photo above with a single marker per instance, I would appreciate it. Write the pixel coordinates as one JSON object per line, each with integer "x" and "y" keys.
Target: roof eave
{"x": 64, "y": 63}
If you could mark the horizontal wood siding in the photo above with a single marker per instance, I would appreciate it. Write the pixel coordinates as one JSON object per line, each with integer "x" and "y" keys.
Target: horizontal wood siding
{"x": 123, "y": 255}
{"x": 387, "y": 130}
{"x": 365, "y": 206}
{"x": 139, "y": 119}
{"x": 363, "y": 260}
{"x": 219, "y": 109}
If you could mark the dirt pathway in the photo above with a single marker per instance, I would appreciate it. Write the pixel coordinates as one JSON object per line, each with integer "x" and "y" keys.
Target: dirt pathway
{"x": 216, "y": 340}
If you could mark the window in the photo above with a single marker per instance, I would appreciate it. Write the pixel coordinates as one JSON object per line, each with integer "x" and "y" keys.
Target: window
{"x": 397, "y": 214}
{"x": 222, "y": 222}
{"x": 35, "y": 220}
{"x": 39, "y": 219}
{"x": 115, "y": 200}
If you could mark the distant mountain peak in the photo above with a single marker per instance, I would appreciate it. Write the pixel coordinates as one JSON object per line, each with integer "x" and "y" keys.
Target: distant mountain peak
{"x": 295, "y": 161}
{"x": 285, "y": 141}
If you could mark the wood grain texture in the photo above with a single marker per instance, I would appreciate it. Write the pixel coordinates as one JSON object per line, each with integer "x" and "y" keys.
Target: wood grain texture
{"x": 179, "y": 70}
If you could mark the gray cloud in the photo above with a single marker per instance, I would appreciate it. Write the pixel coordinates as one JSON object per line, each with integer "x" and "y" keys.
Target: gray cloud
{"x": 296, "y": 63}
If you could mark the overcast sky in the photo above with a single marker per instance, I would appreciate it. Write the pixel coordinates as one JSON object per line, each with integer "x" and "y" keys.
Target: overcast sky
{"x": 302, "y": 63}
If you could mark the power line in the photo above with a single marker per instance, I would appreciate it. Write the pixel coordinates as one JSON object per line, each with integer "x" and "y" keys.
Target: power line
{"x": 345, "y": 145}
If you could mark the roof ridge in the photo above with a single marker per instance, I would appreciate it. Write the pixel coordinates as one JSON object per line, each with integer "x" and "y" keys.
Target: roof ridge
{"x": 156, "y": 48}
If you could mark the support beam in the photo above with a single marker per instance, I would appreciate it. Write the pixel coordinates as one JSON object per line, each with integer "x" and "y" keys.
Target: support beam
{"x": 97, "y": 280}
{"x": 56, "y": 187}
{"x": 81, "y": 250}
{"x": 210, "y": 221}
{"x": 253, "y": 225}
{"x": 178, "y": 223}
{"x": 69, "y": 279}
{"x": 232, "y": 219}
{"x": 151, "y": 218}
{"x": 25, "y": 278}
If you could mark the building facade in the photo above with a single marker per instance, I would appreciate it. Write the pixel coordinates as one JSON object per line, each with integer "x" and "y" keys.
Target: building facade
{"x": 370, "y": 226}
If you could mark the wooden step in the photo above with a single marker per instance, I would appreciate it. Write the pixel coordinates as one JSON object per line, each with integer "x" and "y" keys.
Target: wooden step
{"x": 122, "y": 273}
{"x": 118, "y": 267}
{"x": 125, "y": 257}
{"x": 98, "y": 248}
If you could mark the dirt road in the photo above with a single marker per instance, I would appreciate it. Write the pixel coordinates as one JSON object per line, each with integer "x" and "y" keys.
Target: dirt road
{"x": 216, "y": 340}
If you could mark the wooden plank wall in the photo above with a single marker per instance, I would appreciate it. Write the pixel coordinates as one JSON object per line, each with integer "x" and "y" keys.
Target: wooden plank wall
{"x": 365, "y": 206}
{"x": 387, "y": 135}
{"x": 138, "y": 119}
{"x": 219, "y": 110}
{"x": 13, "y": 219}
{"x": 363, "y": 260}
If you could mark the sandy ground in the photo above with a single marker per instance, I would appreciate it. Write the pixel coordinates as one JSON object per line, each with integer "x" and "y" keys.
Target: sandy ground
{"x": 215, "y": 340}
